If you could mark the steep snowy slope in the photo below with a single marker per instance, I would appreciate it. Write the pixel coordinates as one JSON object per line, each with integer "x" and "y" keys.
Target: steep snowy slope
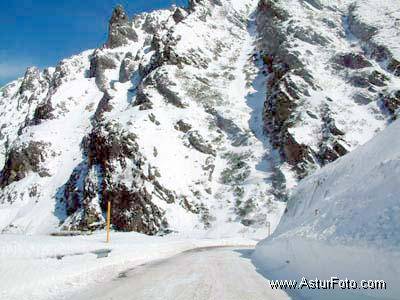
{"x": 196, "y": 119}
{"x": 327, "y": 92}
{"x": 162, "y": 120}
{"x": 344, "y": 221}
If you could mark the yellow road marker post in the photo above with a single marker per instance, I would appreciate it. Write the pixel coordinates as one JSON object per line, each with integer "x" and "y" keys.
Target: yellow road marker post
{"x": 108, "y": 220}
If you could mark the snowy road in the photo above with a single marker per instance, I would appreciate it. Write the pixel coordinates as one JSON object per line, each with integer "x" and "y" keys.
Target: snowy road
{"x": 205, "y": 274}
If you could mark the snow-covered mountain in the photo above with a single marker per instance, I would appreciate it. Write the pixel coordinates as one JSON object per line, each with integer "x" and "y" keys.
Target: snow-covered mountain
{"x": 196, "y": 119}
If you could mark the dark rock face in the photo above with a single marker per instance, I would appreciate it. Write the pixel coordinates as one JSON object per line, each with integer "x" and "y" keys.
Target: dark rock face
{"x": 198, "y": 143}
{"x": 179, "y": 15}
{"x": 99, "y": 63}
{"x": 133, "y": 211}
{"x": 361, "y": 81}
{"x": 103, "y": 107}
{"x": 23, "y": 159}
{"x": 392, "y": 102}
{"x": 378, "y": 79}
{"x": 163, "y": 85}
{"x": 78, "y": 196}
{"x": 107, "y": 142}
{"x": 331, "y": 146}
{"x": 128, "y": 66}
{"x": 43, "y": 112}
{"x": 272, "y": 9}
{"x": 308, "y": 35}
{"x": 120, "y": 30}
{"x": 362, "y": 98}
{"x": 107, "y": 149}
{"x": 283, "y": 95}
{"x": 224, "y": 124}
{"x": 165, "y": 53}
{"x": 279, "y": 107}
{"x": 61, "y": 72}
{"x": 314, "y": 3}
{"x": 193, "y": 3}
{"x": 31, "y": 80}
{"x": 289, "y": 83}
{"x": 352, "y": 61}
{"x": 182, "y": 126}
{"x": 394, "y": 67}
{"x": 142, "y": 99}
{"x": 296, "y": 154}
{"x": 360, "y": 30}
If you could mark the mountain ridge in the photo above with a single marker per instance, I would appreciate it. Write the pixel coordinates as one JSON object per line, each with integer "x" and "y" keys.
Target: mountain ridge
{"x": 196, "y": 120}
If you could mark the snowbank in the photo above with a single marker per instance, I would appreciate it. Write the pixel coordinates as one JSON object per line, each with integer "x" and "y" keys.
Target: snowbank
{"x": 46, "y": 267}
{"x": 343, "y": 221}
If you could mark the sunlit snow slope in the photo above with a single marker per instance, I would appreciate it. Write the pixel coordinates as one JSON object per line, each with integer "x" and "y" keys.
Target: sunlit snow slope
{"x": 343, "y": 221}
{"x": 165, "y": 122}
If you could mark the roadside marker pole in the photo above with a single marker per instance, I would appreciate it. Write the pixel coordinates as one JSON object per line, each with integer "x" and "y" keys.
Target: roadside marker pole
{"x": 108, "y": 220}
{"x": 269, "y": 228}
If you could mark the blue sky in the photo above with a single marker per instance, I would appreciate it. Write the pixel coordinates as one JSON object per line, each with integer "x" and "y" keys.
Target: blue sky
{"x": 42, "y": 32}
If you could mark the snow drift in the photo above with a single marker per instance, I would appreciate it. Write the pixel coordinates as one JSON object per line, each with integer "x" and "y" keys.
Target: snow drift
{"x": 343, "y": 221}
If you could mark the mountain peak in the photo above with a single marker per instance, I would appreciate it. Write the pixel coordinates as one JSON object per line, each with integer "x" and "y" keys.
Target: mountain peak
{"x": 120, "y": 30}
{"x": 119, "y": 15}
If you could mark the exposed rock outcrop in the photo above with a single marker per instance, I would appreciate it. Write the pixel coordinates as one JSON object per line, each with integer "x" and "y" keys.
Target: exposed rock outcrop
{"x": 179, "y": 15}
{"x": 31, "y": 80}
{"x": 43, "y": 111}
{"x": 128, "y": 66}
{"x": 23, "y": 159}
{"x": 165, "y": 87}
{"x": 100, "y": 61}
{"x": 182, "y": 126}
{"x": 120, "y": 30}
{"x": 198, "y": 143}
{"x": 352, "y": 61}
{"x": 392, "y": 102}
{"x": 332, "y": 145}
{"x": 142, "y": 99}
{"x": 375, "y": 47}
{"x": 108, "y": 149}
{"x": 283, "y": 94}
{"x": 378, "y": 79}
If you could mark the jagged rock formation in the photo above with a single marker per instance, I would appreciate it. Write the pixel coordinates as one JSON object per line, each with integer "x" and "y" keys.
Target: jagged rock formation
{"x": 193, "y": 119}
{"x": 108, "y": 148}
{"x": 21, "y": 160}
{"x": 120, "y": 30}
{"x": 128, "y": 67}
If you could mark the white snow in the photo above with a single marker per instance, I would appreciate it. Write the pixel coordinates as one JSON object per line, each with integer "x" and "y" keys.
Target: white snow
{"x": 385, "y": 17}
{"x": 29, "y": 268}
{"x": 343, "y": 221}
{"x": 359, "y": 122}
{"x": 236, "y": 92}
{"x": 203, "y": 274}
{"x": 47, "y": 267}
{"x": 234, "y": 96}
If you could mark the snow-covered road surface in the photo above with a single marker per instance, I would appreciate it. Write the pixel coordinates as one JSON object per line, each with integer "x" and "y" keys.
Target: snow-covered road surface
{"x": 203, "y": 274}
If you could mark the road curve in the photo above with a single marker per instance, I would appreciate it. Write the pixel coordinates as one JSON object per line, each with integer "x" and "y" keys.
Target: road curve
{"x": 203, "y": 274}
